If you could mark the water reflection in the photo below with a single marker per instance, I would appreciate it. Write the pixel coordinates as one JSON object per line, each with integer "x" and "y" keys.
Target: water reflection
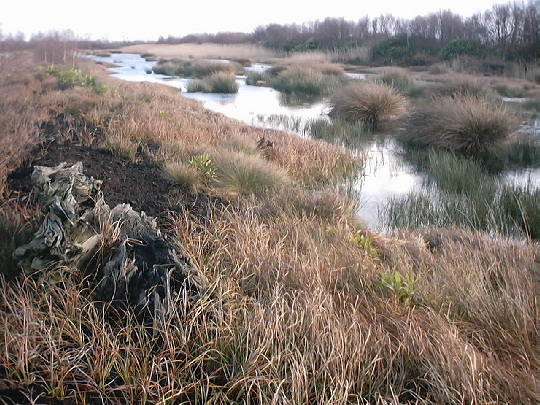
{"x": 385, "y": 174}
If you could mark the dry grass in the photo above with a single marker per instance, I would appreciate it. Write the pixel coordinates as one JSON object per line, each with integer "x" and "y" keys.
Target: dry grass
{"x": 461, "y": 123}
{"x": 239, "y": 174}
{"x": 184, "y": 175}
{"x": 370, "y": 103}
{"x": 299, "y": 313}
{"x": 23, "y": 89}
{"x": 311, "y": 162}
{"x": 203, "y": 51}
{"x": 221, "y": 82}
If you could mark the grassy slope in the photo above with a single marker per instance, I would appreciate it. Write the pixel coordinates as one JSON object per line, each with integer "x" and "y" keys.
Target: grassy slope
{"x": 303, "y": 314}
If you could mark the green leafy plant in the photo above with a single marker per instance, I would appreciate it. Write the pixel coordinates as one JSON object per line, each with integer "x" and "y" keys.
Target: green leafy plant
{"x": 403, "y": 287}
{"x": 367, "y": 242}
{"x": 203, "y": 164}
{"x": 71, "y": 77}
{"x": 462, "y": 46}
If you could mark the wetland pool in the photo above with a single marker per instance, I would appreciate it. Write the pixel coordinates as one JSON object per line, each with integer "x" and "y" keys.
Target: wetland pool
{"x": 385, "y": 174}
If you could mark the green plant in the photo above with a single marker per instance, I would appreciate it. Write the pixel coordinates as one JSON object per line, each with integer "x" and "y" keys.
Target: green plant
{"x": 305, "y": 81}
{"x": 367, "y": 242}
{"x": 370, "y": 103}
{"x": 204, "y": 165}
{"x": 392, "y": 50}
{"x": 71, "y": 77}
{"x": 337, "y": 131}
{"x": 403, "y": 287}
{"x": 223, "y": 83}
{"x": 462, "y": 46}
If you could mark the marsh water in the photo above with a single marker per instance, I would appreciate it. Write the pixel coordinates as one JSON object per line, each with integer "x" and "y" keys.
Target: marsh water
{"x": 385, "y": 173}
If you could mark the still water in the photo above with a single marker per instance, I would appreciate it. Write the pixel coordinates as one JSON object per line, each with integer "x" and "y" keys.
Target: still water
{"x": 385, "y": 174}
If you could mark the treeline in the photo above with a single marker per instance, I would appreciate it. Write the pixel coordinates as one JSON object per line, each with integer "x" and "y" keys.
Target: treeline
{"x": 507, "y": 31}
{"x": 54, "y": 47}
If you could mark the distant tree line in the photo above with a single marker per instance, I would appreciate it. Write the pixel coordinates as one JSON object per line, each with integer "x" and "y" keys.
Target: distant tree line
{"x": 508, "y": 31}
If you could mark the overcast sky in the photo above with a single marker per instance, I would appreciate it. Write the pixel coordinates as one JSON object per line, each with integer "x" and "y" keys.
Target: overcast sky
{"x": 148, "y": 20}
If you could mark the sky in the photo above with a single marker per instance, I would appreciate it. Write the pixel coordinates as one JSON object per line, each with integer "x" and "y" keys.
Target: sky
{"x": 148, "y": 20}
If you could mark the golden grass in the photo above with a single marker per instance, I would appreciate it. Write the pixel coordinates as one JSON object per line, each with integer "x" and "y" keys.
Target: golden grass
{"x": 371, "y": 103}
{"x": 203, "y": 51}
{"x": 463, "y": 123}
{"x": 239, "y": 174}
{"x": 23, "y": 89}
{"x": 184, "y": 175}
{"x": 299, "y": 313}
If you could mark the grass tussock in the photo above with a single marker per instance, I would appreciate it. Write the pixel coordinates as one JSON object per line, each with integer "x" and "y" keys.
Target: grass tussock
{"x": 222, "y": 83}
{"x": 238, "y": 174}
{"x": 195, "y": 68}
{"x": 305, "y": 79}
{"x": 464, "y": 124}
{"x": 184, "y": 175}
{"x": 404, "y": 83}
{"x": 458, "y": 85}
{"x": 370, "y": 103}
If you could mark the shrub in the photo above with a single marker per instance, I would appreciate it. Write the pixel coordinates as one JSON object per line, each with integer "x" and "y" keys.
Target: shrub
{"x": 223, "y": 83}
{"x": 463, "y": 124}
{"x": 369, "y": 103}
{"x": 392, "y": 50}
{"x": 462, "y": 46}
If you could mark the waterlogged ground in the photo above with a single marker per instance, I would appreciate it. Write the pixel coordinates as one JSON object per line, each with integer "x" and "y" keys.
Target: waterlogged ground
{"x": 385, "y": 174}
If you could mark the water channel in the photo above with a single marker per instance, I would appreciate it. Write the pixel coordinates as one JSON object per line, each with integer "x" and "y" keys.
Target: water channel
{"x": 385, "y": 174}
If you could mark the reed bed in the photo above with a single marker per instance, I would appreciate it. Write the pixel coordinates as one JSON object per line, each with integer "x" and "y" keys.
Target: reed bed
{"x": 204, "y": 51}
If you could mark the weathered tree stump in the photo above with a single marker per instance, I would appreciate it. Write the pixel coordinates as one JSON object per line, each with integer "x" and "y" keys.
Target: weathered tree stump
{"x": 121, "y": 251}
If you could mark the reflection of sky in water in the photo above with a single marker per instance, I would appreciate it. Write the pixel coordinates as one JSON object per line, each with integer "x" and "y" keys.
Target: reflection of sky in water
{"x": 385, "y": 175}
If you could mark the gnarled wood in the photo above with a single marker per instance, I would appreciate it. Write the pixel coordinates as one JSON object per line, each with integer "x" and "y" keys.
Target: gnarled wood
{"x": 121, "y": 250}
